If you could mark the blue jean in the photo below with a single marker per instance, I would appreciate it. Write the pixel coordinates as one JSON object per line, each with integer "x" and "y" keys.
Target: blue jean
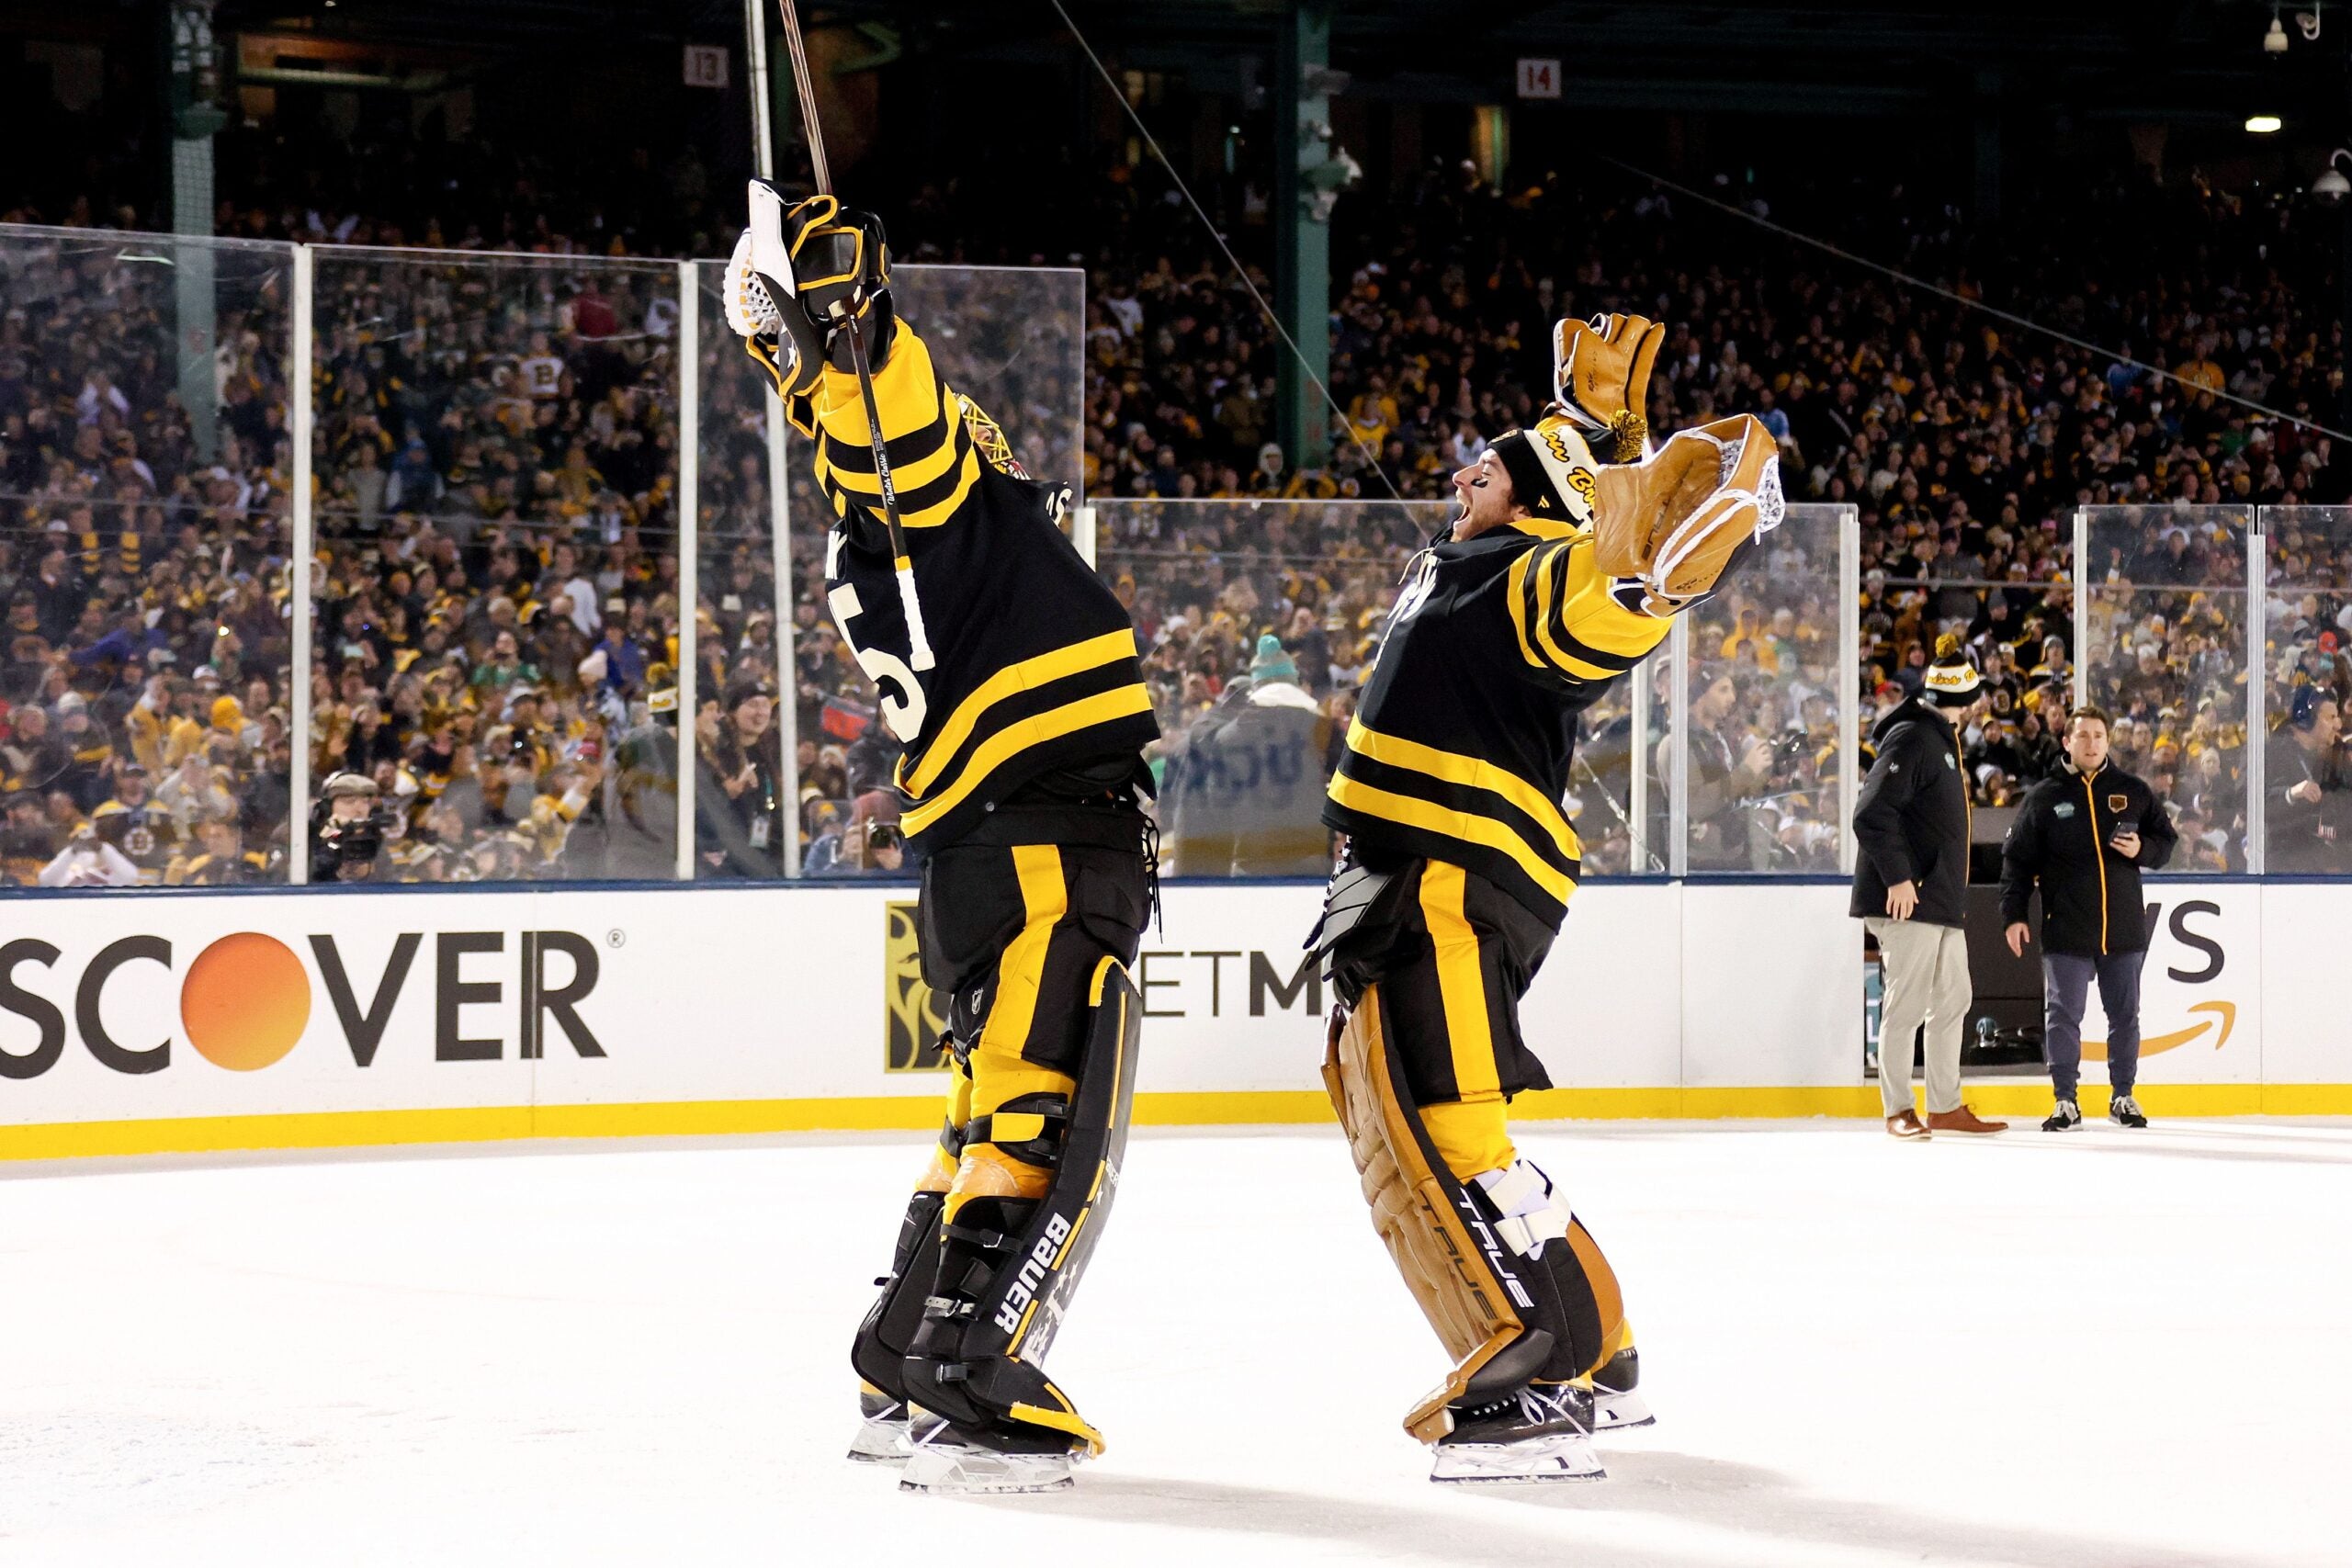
{"x": 2065, "y": 985}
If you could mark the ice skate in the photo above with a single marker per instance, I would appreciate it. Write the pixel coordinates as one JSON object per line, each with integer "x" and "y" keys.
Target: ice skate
{"x": 2064, "y": 1118}
{"x": 1617, "y": 1404}
{"x": 947, "y": 1458}
{"x": 2124, "y": 1110}
{"x": 882, "y": 1429}
{"x": 1542, "y": 1433}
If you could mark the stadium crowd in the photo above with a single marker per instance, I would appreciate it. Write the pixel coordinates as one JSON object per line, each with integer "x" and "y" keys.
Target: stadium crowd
{"x": 498, "y": 585}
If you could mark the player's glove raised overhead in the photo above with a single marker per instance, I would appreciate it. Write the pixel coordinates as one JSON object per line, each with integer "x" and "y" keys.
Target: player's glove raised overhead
{"x": 1600, "y": 377}
{"x": 1676, "y": 522}
{"x": 816, "y": 268}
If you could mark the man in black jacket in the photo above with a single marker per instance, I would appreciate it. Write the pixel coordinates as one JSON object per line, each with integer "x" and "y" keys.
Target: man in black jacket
{"x": 2084, "y": 833}
{"x": 1910, "y": 891}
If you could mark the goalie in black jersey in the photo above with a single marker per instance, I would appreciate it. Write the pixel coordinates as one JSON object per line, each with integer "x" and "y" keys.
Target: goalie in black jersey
{"x": 1024, "y": 720}
{"x": 1559, "y": 574}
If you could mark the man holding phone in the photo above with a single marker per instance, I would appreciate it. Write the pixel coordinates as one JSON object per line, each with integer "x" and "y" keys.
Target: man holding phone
{"x": 2084, "y": 833}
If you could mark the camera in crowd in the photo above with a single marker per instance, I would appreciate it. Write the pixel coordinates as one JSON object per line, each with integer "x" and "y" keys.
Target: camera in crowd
{"x": 347, "y": 829}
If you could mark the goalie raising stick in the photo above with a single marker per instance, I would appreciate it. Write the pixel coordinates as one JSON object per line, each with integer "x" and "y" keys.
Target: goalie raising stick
{"x": 1023, "y": 716}
{"x": 1560, "y": 573}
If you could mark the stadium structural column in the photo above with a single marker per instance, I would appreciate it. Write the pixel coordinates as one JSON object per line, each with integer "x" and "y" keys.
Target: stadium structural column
{"x": 1302, "y": 239}
{"x": 2257, "y": 691}
{"x": 689, "y": 550}
{"x": 299, "y": 555}
{"x": 194, "y": 83}
{"x": 1849, "y": 679}
{"x": 1986, "y": 116}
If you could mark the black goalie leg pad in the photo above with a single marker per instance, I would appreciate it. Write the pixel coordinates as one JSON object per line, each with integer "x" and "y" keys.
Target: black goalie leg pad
{"x": 1009, "y": 1267}
{"x": 879, "y": 1352}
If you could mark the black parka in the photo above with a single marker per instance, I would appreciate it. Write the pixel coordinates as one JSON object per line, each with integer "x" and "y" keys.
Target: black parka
{"x": 2090, "y": 893}
{"x": 1912, "y": 821}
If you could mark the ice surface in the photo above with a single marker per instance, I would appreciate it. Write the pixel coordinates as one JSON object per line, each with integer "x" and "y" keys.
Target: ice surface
{"x": 2104, "y": 1348}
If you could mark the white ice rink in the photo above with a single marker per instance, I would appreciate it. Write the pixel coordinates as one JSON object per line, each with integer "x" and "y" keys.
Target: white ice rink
{"x": 2108, "y": 1349}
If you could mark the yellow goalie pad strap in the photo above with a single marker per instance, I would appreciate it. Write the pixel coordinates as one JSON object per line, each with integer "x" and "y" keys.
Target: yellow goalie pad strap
{"x": 1415, "y": 1216}
{"x": 1061, "y": 1421}
{"x": 1608, "y": 1296}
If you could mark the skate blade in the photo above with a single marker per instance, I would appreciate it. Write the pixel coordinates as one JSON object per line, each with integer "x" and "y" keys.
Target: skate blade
{"x": 963, "y": 1469}
{"x": 1538, "y": 1461}
{"x": 880, "y": 1440}
{"x": 1620, "y": 1412}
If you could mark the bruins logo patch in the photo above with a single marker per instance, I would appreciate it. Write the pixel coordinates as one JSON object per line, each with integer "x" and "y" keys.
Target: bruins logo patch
{"x": 915, "y": 1016}
{"x": 988, "y": 437}
{"x": 2118, "y": 802}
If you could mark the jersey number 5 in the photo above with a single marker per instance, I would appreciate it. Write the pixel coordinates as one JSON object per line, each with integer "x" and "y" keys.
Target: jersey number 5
{"x": 905, "y": 712}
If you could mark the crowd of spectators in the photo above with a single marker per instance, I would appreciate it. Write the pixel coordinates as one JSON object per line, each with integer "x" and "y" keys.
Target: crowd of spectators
{"x": 499, "y": 589}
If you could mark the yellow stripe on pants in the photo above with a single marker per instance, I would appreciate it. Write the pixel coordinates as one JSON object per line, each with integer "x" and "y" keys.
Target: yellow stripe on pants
{"x": 999, "y": 1073}
{"x": 1469, "y": 1134}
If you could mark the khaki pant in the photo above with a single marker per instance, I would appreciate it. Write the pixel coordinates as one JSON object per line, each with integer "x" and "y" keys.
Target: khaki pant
{"x": 1926, "y": 982}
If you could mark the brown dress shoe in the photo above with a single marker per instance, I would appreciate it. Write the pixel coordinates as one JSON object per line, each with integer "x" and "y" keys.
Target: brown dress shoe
{"x": 1962, "y": 1120}
{"x": 1906, "y": 1124}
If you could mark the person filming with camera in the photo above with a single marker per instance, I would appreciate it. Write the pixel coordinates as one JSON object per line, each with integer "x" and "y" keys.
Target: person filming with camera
{"x": 347, "y": 829}
{"x": 2083, "y": 834}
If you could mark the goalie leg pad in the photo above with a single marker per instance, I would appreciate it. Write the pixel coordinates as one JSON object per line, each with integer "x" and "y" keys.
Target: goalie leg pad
{"x": 1015, "y": 1240}
{"x": 1478, "y": 1298}
{"x": 878, "y": 1353}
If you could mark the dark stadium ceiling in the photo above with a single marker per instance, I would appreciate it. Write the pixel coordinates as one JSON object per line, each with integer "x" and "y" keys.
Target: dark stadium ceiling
{"x": 2152, "y": 59}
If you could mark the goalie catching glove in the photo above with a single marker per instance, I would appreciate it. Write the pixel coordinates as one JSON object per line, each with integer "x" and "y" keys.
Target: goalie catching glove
{"x": 1673, "y": 526}
{"x": 799, "y": 276}
{"x": 1600, "y": 377}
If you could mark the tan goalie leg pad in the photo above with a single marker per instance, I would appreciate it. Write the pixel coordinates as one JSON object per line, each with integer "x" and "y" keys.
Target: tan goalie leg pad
{"x": 1415, "y": 1216}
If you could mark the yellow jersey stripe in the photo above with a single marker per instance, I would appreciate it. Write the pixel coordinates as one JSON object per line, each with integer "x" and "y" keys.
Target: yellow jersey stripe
{"x": 1026, "y": 675}
{"x": 1014, "y": 738}
{"x": 905, "y": 476}
{"x": 906, "y": 393}
{"x": 912, "y": 516}
{"x": 1431, "y": 818}
{"x": 1594, "y": 617}
{"x": 1471, "y": 772}
{"x": 1461, "y": 982}
{"x": 1515, "y": 597}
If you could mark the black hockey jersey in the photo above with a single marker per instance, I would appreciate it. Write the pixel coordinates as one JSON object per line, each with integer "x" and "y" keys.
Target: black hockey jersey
{"x": 1461, "y": 747}
{"x": 1036, "y": 662}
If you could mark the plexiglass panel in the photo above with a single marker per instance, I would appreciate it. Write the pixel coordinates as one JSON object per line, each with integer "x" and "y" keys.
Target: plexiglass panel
{"x": 2164, "y": 653}
{"x": 497, "y": 447}
{"x": 144, "y": 471}
{"x": 1763, "y": 701}
{"x": 2307, "y": 776}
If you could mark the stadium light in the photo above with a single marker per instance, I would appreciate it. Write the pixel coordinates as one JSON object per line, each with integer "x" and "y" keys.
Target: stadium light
{"x": 2262, "y": 124}
{"x": 2329, "y": 187}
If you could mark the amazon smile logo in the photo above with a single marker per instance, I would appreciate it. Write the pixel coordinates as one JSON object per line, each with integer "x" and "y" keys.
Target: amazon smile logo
{"x": 2217, "y": 1018}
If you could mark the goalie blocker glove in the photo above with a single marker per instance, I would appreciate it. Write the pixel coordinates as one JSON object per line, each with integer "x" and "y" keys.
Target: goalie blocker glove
{"x": 800, "y": 275}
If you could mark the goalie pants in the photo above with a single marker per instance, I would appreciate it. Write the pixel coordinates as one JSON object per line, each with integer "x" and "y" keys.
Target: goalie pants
{"x": 1011, "y": 934}
{"x": 1452, "y": 958}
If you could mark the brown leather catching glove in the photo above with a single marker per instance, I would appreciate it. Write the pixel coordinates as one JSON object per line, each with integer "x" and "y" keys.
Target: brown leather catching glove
{"x": 1600, "y": 377}
{"x": 1677, "y": 522}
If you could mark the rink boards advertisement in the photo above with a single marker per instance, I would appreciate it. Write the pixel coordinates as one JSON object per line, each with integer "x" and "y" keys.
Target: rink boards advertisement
{"x": 135, "y": 1023}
